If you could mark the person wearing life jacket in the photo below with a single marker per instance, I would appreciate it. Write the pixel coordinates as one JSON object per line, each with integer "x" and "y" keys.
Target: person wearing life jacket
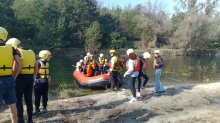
{"x": 7, "y": 76}
{"x": 158, "y": 66}
{"x": 132, "y": 67}
{"x": 94, "y": 64}
{"x": 42, "y": 81}
{"x": 85, "y": 66}
{"x": 113, "y": 70}
{"x": 101, "y": 63}
{"x": 121, "y": 67}
{"x": 142, "y": 73}
{"x": 24, "y": 81}
{"x": 81, "y": 65}
{"x": 105, "y": 68}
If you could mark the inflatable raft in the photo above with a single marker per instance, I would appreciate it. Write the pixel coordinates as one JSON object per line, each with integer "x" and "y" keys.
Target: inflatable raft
{"x": 100, "y": 81}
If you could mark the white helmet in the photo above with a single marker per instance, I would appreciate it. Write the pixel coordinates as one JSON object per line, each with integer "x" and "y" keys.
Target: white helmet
{"x": 157, "y": 51}
{"x": 88, "y": 54}
{"x": 101, "y": 55}
{"x": 106, "y": 60}
{"x": 146, "y": 55}
{"x": 81, "y": 61}
{"x": 130, "y": 51}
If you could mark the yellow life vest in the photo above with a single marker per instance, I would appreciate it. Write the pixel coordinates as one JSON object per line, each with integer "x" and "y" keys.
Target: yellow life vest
{"x": 44, "y": 71}
{"x": 28, "y": 60}
{"x": 93, "y": 64}
{"x": 6, "y": 61}
{"x": 101, "y": 62}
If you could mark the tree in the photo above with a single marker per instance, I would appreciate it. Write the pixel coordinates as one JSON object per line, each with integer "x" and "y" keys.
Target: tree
{"x": 7, "y": 15}
{"x": 93, "y": 35}
{"x": 199, "y": 26}
{"x": 153, "y": 19}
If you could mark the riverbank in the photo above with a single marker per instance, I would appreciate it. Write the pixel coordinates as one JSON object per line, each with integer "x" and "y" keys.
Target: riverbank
{"x": 122, "y": 52}
{"x": 179, "y": 104}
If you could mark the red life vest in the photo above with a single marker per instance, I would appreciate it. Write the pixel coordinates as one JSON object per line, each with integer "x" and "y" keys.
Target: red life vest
{"x": 116, "y": 65}
{"x": 136, "y": 66}
{"x": 144, "y": 68}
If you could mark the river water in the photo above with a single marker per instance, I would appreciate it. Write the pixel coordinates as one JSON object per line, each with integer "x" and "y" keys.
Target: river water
{"x": 177, "y": 70}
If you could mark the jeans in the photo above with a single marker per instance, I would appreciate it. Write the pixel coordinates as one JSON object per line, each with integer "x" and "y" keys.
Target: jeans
{"x": 158, "y": 87}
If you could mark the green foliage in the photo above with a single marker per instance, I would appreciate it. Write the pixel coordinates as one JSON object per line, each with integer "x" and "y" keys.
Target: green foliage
{"x": 93, "y": 35}
{"x": 117, "y": 41}
{"x": 61, "y": 24}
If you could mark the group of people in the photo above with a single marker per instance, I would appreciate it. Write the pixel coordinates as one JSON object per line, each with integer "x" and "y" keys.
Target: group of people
{"x": 135, "y": 69}
{"x": 20, "y": 72}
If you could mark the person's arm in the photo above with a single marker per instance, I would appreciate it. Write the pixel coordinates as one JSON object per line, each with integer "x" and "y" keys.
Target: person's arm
{"x": 18, "y": 66}
{"x": 160, "y": 62}
{"x": 36, "y": 69}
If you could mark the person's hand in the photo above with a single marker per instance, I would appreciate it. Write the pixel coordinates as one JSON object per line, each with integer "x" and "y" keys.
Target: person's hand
{"x": 49, "y": 80}
{"x": 110, "y": 69}
{"x": 124, "y": 75}
{"x": 42, "y": 80}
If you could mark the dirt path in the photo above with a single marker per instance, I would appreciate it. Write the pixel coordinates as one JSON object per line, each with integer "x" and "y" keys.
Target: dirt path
{"x": 179, "y": 104}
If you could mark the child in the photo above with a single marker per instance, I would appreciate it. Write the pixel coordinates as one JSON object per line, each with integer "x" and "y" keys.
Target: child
{"x": 42, "y": 81}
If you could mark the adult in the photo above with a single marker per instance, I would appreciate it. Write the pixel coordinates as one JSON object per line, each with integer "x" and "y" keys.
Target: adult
{"x": 7, "y": 77}
{"x": 142, "y": 73}
{"x": 132, "y": 67}
{"x": 24, "y": 81}
{"x": 158, "y": 66}
{"x": 113, "y": 70}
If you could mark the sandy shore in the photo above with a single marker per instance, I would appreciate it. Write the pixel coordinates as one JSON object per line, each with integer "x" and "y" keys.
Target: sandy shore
{"x": 179, "y": 104}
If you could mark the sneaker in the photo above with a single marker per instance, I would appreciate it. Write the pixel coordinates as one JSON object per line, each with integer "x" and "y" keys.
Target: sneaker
{"x": 130, "y": 97}
{"x": 133, "y": 100}
{"x": 143, "y": 91}
{"x": 139, "y": 95}
{"x": 45, "y": 111}
{"x": 36, "y": 112}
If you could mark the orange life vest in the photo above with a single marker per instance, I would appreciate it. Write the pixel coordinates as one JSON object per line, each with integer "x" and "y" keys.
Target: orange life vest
{"x": 89, "y": 70}
{"x": 136, "y": 66}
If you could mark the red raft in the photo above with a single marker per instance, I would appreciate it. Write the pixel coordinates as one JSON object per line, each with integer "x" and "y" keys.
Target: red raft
{"x": 100, "y": 81}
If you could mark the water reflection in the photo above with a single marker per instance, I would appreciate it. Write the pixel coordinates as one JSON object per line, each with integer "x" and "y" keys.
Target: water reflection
{"x": 177, "y": 70}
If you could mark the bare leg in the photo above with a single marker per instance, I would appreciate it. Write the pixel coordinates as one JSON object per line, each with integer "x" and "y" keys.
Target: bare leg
{"x": 13, "y": 112}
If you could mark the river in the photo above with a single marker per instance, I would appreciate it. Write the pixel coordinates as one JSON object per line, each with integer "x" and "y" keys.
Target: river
{"x": 177, "y": 70}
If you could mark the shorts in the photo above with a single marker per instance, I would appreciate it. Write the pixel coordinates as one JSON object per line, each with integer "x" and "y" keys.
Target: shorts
{"x": 7, "y": 90}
